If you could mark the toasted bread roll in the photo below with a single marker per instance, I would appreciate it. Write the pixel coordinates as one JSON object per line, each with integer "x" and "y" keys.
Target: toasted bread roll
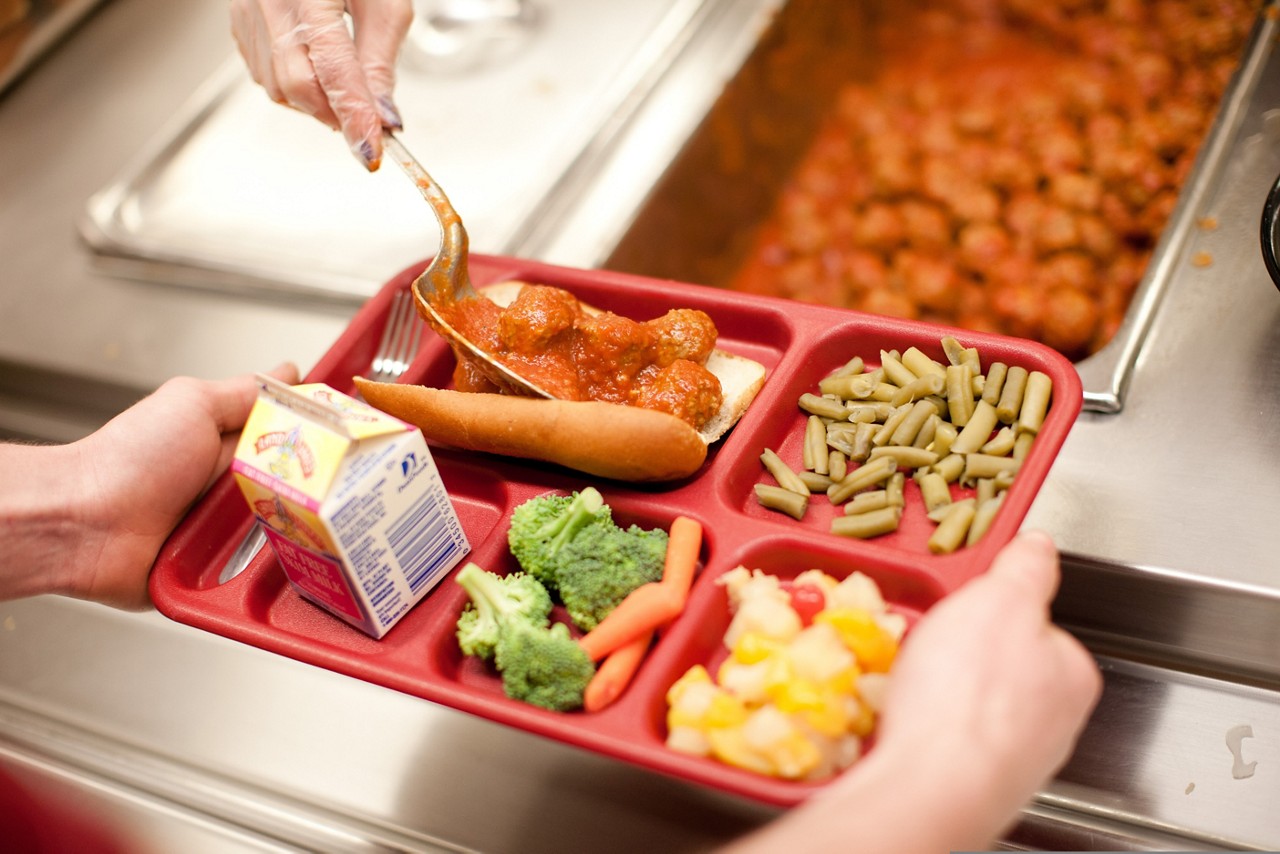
{"x": 604, "y": 439}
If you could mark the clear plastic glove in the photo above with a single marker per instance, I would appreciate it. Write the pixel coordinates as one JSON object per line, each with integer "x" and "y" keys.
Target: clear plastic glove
{"x": 306, "y": 57}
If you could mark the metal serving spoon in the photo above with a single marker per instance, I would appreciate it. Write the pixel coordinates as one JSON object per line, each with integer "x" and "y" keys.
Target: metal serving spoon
{"x": 447, "y": 281}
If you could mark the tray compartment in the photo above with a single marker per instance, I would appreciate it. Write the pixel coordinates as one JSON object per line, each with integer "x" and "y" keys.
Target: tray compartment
{"x": 697, "y": 638}
{"x": 780, "y": 426}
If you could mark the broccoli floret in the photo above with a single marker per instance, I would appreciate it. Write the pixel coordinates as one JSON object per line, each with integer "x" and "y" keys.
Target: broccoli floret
{"x": 597, "y": 571}
{"x": 497, "y": 601}
{"x": 541, "y": 526}
{"x": 543, "y": 666}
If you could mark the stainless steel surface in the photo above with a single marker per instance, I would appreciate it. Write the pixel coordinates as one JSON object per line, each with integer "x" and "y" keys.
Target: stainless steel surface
{"x": 1164, "y": 511}
{"x": 44, "y": 24}
{"x": 498, "y": 136}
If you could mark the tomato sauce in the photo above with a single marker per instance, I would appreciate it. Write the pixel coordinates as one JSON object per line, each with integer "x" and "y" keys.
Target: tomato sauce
{"x": 545, "y": 336}
{"x": 1009, "y": 166}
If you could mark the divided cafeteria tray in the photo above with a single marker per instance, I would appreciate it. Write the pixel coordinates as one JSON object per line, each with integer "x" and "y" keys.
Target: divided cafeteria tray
{"x": 797, "y": 343}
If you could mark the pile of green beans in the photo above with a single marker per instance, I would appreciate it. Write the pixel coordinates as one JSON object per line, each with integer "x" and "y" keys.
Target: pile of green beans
{"x": 867, "y": 428}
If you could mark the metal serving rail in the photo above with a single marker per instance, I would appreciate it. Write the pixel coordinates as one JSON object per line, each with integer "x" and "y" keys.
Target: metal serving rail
{"x": 187, "y": 741}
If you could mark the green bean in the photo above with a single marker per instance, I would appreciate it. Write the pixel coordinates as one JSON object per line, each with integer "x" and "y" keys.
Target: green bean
{"x": 869, "y": 410}
{"x": 866, "y": 501}
{"x": 953, "y": 528}
{"x": 1035, "y": 402}
{"x": 885, "y": 432}
{"x": 824, "y": 406}
{"x": 850, "y": 368}
{"x": 863, "y": 440}
{"x": 983, "y": 518}
{"x": 1001, "y": 444}
{"x": 815, "y": 482}
{"x": 976, "y": 433}
{"x": 926, "y": 385}
{"x": 934, "y": 490}
{"x": 836, "y": 465}
{"x": 995, "y": 382}
{"x": 871, "y": 474}
{"x": 782, "y": 473}
{"x": 1022, "y": 445}
{"x": 959, "y": 394}
{"x": 907, "y": 429}
{"x": 858, "y": 387}
{"x": 866, "y": 525}
{"x": 840, "y": 435}
{"x": 928, "y": 430}
{"x": 894, "y": 487}
{"x": 914, "y": 360}
{"x": 884, "y": 392}
{"x": 944, "y": 436}
{"x": 908, "y": 456}
{"x": 985, "y": 490}
{"x": 814, "y": 452}
{"x": 1015, "y": 383}
{"x": 784, "y": 500}
{"x": 950, "y": 467}
{"x": 896, "y": 372}
{"x": 978, "y": 466}
{"x": 953, "y": 350}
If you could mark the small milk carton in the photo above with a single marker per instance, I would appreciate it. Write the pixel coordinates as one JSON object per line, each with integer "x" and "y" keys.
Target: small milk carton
{"x": 351, "y": 501}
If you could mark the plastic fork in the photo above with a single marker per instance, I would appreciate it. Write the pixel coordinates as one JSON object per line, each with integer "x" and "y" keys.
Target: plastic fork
{"x": 396, "y": 349}
{"x": 446, "y": 280}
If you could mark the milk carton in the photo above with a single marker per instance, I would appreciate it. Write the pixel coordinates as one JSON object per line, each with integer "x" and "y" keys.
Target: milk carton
{"x": 350, "y": 499}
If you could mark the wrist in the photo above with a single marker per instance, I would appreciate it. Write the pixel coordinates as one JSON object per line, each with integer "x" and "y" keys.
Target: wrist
{"x": 41, "y": 525}
{"x": 951, "y": 780}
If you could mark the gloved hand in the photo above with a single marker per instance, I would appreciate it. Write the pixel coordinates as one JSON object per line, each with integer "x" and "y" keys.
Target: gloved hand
{"x": 304, "y": 55}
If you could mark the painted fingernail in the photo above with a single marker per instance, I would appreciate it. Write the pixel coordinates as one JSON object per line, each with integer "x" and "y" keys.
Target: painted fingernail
{"x": 365, "y": 153}
{"x": 389, "y": 114}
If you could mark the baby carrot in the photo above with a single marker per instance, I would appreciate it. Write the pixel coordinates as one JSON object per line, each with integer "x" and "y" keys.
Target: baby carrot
{"x": 643, "y": 610}
{"x": 684, "y": 540}
{"x": 615, "y": 672}
{"x": 652, "y": 605}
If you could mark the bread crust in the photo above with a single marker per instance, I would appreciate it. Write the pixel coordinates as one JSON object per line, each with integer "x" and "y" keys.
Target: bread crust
{"x": 604, "y": 439}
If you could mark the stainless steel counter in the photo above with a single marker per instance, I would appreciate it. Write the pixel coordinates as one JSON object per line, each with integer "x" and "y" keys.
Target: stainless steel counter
{"x": 192, "y": 742}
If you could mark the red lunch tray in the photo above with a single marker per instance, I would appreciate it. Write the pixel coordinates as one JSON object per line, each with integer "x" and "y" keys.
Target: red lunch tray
{"x": 797, "y": 343}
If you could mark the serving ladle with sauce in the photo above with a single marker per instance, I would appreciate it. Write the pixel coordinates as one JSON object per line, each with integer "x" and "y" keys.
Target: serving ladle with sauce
{"x": 446, "y": 280}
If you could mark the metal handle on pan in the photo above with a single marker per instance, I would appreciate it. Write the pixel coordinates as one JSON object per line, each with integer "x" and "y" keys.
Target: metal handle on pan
{"x": 1271, "y": 232}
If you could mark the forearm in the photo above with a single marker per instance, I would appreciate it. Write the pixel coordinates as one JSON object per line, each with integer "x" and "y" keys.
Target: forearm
{"x": 41, "y": 531}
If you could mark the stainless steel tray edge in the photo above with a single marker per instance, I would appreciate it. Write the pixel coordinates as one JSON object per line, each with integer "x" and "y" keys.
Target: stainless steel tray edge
{"x": 1107, "y": 373}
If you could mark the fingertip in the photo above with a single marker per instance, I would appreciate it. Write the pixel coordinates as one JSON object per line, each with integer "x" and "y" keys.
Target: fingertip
{"x": 286, "y": 372}
{"x": 1030, "y": 558}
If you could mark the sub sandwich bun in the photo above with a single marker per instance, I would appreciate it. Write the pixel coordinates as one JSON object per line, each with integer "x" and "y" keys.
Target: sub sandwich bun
{"x": 610, "y": 440}
{"x": 603, "y": 439}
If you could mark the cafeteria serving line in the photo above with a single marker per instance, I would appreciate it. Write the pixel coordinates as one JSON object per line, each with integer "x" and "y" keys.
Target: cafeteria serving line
{"x": 193, "y": 740}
